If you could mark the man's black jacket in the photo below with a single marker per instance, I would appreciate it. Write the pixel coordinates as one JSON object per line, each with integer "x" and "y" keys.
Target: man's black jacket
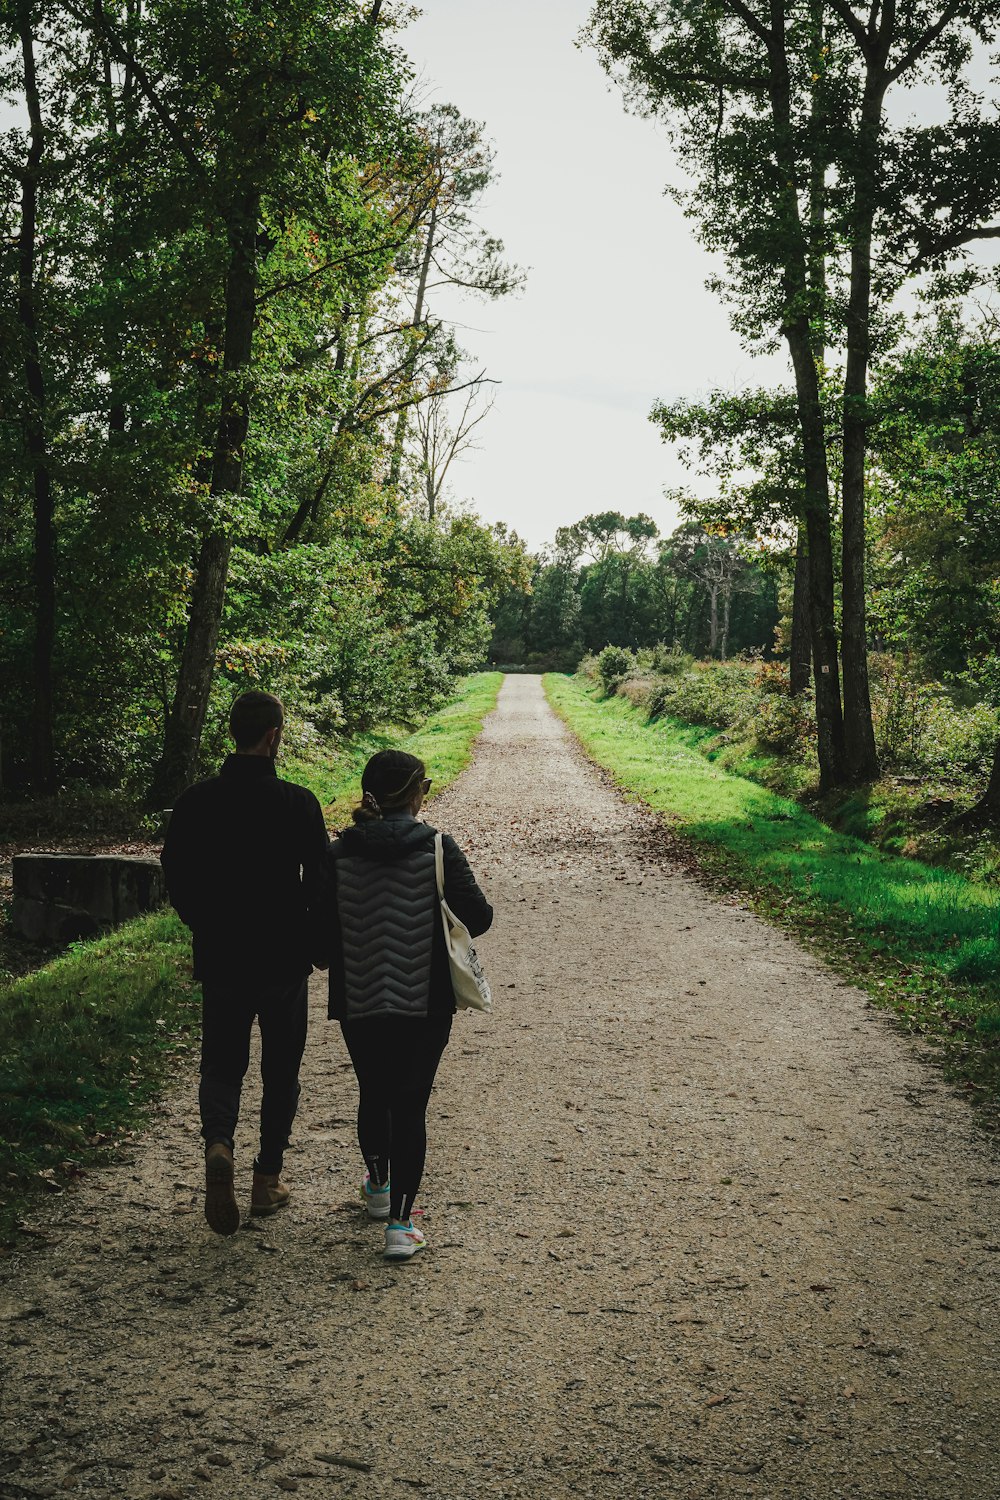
{"x": 244, "y": 857}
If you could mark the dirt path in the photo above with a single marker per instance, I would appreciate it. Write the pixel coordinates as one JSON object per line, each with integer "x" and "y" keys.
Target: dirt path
{"x": 701, "y": 1225}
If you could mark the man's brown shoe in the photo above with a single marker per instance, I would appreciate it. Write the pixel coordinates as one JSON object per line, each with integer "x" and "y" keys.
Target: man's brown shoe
{"x": 220, "y": 1199}
{"x": 269, "y": 1193}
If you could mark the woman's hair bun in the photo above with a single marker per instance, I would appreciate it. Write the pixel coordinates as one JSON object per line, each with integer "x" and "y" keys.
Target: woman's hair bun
{"x": 388, "y": 782}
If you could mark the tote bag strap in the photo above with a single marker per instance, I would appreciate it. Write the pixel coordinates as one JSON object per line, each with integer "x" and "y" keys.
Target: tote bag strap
{"x": 439, "y": 864}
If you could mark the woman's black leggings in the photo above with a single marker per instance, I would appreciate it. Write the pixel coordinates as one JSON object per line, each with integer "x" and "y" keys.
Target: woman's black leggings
{"x": 395, "y": 1059}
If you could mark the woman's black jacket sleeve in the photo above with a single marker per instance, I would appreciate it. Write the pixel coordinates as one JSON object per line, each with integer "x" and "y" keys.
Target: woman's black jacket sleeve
{"x": 461, "y": 891}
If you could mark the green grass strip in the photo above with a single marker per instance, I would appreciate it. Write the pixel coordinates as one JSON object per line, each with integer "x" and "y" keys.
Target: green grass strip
{"x": 443, "y": 742}
{"x": 87, "y": 1042}
{"x": 925, "y": 941}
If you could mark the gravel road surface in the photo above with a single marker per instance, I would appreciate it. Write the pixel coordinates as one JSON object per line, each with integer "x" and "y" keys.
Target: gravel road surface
{"x": 701, "y": 1224}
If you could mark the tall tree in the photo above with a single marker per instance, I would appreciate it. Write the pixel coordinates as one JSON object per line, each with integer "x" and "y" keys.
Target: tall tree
{"x": 294, "y": 102}
{"x": 34, "y": 405}
{"x": 764, "y": 121}
{"x": 438, "y": 443}
{"x": 449, "y": 247}
{"x": 716, "y": 564}
{"x": 751, "y": 444}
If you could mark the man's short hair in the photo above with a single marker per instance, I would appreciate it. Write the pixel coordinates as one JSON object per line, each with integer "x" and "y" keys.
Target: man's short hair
{"x": 252, "y": 715}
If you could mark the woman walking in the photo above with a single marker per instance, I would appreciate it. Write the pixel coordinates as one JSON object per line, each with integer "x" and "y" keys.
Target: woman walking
{"x": 390, "y": 981}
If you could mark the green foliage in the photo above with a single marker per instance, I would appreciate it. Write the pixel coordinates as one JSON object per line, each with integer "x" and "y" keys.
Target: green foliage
{"x": 719, "y": 695}
{"x": 921, "y": 727}
{"x": 613, "y": 664}
{"x": 935, "y": 528}
{"x": 668, "y": 661}
{"x": 165, "y": 128}
{"x": 915, "y": 935}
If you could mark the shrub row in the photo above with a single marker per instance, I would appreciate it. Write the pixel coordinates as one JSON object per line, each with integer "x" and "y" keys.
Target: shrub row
{"x": 921, "y": 727}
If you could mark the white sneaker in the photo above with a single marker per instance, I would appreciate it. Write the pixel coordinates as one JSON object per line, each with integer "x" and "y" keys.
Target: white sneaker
{"x": 402, "y": 1241}
{"x": 376, "y": 1199}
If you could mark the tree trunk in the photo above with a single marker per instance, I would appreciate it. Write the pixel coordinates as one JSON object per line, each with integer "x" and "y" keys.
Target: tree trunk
{"x": 829, "y": 714}
{"x": 799, "y": 295}
{"x": 801, "y": 651}
{"x": 986, "y": 812}
{"x": 692, "y": 621}
{"x": 713, "y": 617}
{"x": 115, "y": 251}
{"x": 800, "y": 663}
{"x": 182, "y": 738}
{"x": 399, "y": 436}
{"x": 727, "y": 604}
{"x": 34, "y": 421}
{"x": 859, "y": 735}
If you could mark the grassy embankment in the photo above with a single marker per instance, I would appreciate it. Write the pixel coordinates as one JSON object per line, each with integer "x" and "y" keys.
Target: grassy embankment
{"x": 87, "y": 1042}
{"x": 925, "y": 942}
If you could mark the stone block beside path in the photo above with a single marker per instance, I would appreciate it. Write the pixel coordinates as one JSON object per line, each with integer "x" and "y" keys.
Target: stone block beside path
{"x": 59, "y": 898}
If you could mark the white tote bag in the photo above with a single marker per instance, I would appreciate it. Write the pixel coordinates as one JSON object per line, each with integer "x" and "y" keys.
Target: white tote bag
{"x": 472, "y": 989}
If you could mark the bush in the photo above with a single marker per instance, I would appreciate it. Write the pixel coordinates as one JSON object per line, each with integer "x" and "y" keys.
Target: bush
{"x": 918, "y": 726}
{"x": 638, "y": 689}
{"x": 670, "y": 661}
{"x": 720, "y": 694}
{"x": 901, "y": 712}
{"x": 785, "y": 725}
{"x": 613, "y": 666}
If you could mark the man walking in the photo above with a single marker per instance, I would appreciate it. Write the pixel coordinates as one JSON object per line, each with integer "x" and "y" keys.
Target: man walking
{"x": 243, "y": 859}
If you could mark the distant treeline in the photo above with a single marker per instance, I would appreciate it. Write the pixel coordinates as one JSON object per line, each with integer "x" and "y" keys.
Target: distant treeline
{"x": 613, "y": 580}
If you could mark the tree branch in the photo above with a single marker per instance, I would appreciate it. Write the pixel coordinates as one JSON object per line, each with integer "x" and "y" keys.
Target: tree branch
{"x": 100, "y": 25}
{"x": 922, "y": 43}
{"x": 953, "y": 242}
{"x": 721, "y": 78}
{"x": 753, "y": 23}
{"x": 398, "y": 406}
{"x": 856, "y": 27}
{"x": 328, "y": 265}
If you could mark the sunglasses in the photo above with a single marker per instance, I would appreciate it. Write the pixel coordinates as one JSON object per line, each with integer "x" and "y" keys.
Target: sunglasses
{"x": 425, "y": 786}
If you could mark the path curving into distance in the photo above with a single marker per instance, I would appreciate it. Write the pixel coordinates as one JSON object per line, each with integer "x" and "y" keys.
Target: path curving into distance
{"x": 701, "y": 1223}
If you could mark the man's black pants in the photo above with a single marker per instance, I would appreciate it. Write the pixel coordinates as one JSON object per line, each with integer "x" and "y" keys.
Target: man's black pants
{"x": 228, "y": 1014}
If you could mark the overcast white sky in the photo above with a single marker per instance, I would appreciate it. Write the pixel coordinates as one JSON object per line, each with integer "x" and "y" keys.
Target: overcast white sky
{"x": 614, "y": 314}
